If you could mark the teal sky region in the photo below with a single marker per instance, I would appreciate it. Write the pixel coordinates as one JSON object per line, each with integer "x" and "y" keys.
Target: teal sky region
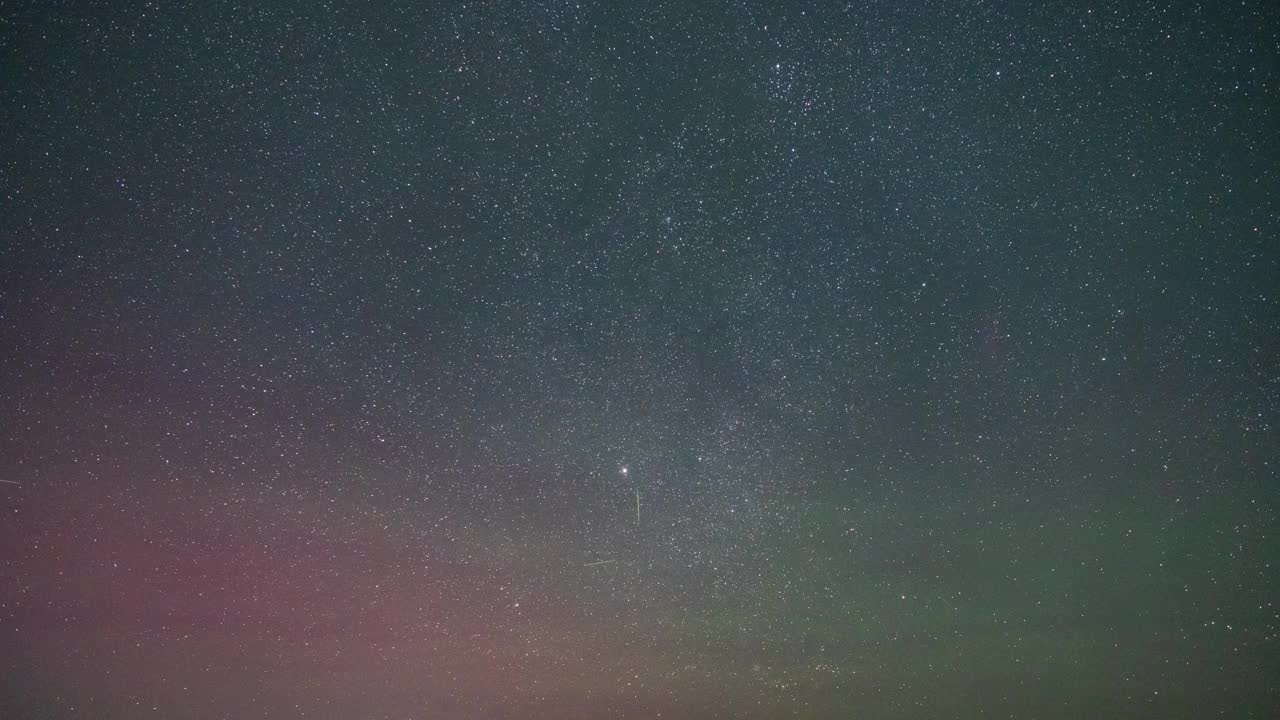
{"x": 505, "y": 361}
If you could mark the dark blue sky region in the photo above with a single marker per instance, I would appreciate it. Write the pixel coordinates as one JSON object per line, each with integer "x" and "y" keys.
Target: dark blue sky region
{"x": 483, "y": 360}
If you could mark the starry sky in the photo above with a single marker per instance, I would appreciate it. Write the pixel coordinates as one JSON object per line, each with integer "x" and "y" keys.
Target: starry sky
{"x": 572, "y": 359}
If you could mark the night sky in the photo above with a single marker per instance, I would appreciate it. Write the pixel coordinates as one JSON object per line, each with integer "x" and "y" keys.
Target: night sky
{"x": 567, "y": 360}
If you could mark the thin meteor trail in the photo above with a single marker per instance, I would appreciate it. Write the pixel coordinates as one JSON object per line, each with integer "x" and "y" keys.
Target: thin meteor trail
{"x": 598, "y": 562}
{"x": 10, "y": 482}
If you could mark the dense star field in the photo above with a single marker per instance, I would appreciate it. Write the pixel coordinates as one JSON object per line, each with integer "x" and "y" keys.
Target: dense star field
{"x": 555, "y": 359}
